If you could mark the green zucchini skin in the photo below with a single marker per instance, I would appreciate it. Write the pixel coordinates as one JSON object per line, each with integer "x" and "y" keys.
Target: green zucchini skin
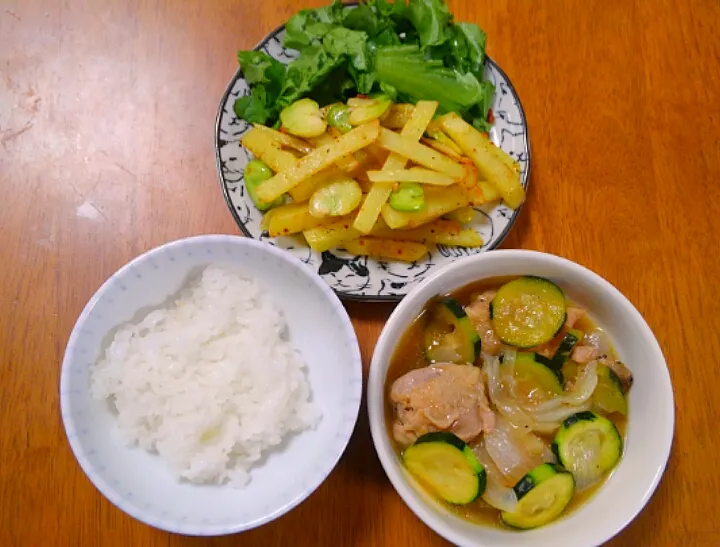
{"x": 542, "y": 368}
{"x": 543, "y": 494}
{"x": 590, "y": 425}
{"x": 447, "y": 465}
{"x": 568, "y": 343}
{"x": 609, "y": 396}
{"x": 515, "y": 308}
{"x": 535, "y": 477}
{"x": 552, "y": 365}
{"x": 450, "y": 326}
{"x": 442, "y": 437}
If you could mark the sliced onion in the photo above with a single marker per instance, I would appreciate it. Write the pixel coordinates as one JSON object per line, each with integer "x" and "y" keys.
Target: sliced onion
{"x": 503, "y": 402}
{"x": 509, "y": 356}
{"x": 598, "y": 339}
{"x": 497, "y": 493}
{"x": 515, "y": 452}
{"x": 558, "y": 415}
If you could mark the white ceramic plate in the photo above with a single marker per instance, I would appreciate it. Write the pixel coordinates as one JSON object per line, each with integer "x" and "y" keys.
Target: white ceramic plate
{"x": 650, "y": 421}
{"x": 139, "y": 483}
{"x": 351, "y": 276}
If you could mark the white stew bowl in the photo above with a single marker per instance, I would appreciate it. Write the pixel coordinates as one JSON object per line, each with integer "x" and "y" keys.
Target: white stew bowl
{"x": 651, "y": 409}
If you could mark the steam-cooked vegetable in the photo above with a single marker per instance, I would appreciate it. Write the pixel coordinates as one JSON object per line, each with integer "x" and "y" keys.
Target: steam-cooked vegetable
{"x": 528, "y": 311}
{"x": 589, "y": 446}
{"x": 497, "y": 494}
{"x": 568, "y": 343}
{"x": 608, "y": 397}
{"x": 449, "y": 336}
{"x": 446, "y": 465}
{"x": 535, "y": 376}
{"x": 515, "y": 450}
{"x": 543, "y": 495}
{"x": 540, "y": 439}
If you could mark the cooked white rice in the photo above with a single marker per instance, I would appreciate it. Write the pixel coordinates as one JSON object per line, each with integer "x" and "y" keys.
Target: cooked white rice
{"x": 209, "y": 382}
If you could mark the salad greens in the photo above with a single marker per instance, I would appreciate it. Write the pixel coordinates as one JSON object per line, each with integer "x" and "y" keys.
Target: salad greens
{"x": 408, "y": 50}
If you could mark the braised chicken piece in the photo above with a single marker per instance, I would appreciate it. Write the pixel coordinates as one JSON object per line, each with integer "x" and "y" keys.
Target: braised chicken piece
{"x": 479, "y": 313}
{"x": 441, "y": 397}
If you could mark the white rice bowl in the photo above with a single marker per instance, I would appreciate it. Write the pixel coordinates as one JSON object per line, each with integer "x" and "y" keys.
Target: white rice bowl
{"x": 209, "y": 382}
{"x": 171, "y": 445}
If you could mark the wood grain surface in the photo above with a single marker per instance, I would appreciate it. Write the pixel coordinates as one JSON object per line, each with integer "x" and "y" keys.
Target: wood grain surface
{"x": 106, "y": 150}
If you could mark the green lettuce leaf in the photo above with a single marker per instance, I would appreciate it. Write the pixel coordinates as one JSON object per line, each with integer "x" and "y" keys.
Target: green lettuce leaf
{"x": 430, "y": 19}
{"x": 308, "y": 26}
{"x": 353, "y": 43}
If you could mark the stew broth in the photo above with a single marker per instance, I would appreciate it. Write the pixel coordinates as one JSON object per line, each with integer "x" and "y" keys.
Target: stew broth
{"x": 409, "y": 354}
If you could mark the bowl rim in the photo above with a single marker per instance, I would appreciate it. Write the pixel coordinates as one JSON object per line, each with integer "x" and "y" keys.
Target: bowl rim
{"x": 376, "y": 395}
{"x": 343, "y": 294}
{"x": 111, "y": 493}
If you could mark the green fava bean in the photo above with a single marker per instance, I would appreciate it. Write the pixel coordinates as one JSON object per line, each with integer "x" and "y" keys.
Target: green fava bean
{"x": 257, "y": 172}
{"x": 408, "y": 198}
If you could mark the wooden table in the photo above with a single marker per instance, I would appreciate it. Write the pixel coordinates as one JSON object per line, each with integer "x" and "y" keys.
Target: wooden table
{"x": 106, "y": 132}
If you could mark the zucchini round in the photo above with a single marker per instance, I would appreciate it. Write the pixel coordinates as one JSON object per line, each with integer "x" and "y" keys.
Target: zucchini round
{"x": 528, "y": 311}
{"x": 543, "y": 494}
{"x": 608, "y": 396}
{"x": 447, "y": 466}
{"x": 568, "y": 343}
{"x": 449, "y": 335}
{"x": 533, "y": 372}
{"x": 588, "y": 445}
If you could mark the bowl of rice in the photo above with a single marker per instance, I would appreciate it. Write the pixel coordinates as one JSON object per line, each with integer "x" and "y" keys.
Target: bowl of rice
{"x": 210, "y": 385}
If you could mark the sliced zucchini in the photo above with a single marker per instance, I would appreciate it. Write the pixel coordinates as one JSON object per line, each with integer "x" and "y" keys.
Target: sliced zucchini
{"x": 449, "y": 335}
{"x": 543, "y": 494}
{"x": 572, "y": 338}
{"x": 534, "y": 372}
{"x": 528, "y": 311}
{"x": 588, "y": 446}
{"x": 608, "y": 396}
{"x": 448, "y": 466}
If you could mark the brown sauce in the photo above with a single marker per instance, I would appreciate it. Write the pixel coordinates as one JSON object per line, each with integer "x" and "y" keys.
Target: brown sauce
{"x": 409, "y": 354}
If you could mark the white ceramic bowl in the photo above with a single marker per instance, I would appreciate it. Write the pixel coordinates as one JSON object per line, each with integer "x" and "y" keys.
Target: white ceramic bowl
{"x": 139, "y": 483}
{"x": 651, "y": 416}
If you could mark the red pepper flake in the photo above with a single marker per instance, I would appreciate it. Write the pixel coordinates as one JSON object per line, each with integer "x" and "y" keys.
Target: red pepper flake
{"x": 399, "y": 252}
{"x": 282, "y": 130}
{"x": 285, "y": 230}
{"x": 347, "y": 226}
{"x": 491, "y": 116}
{"x": 362, "y": 96}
